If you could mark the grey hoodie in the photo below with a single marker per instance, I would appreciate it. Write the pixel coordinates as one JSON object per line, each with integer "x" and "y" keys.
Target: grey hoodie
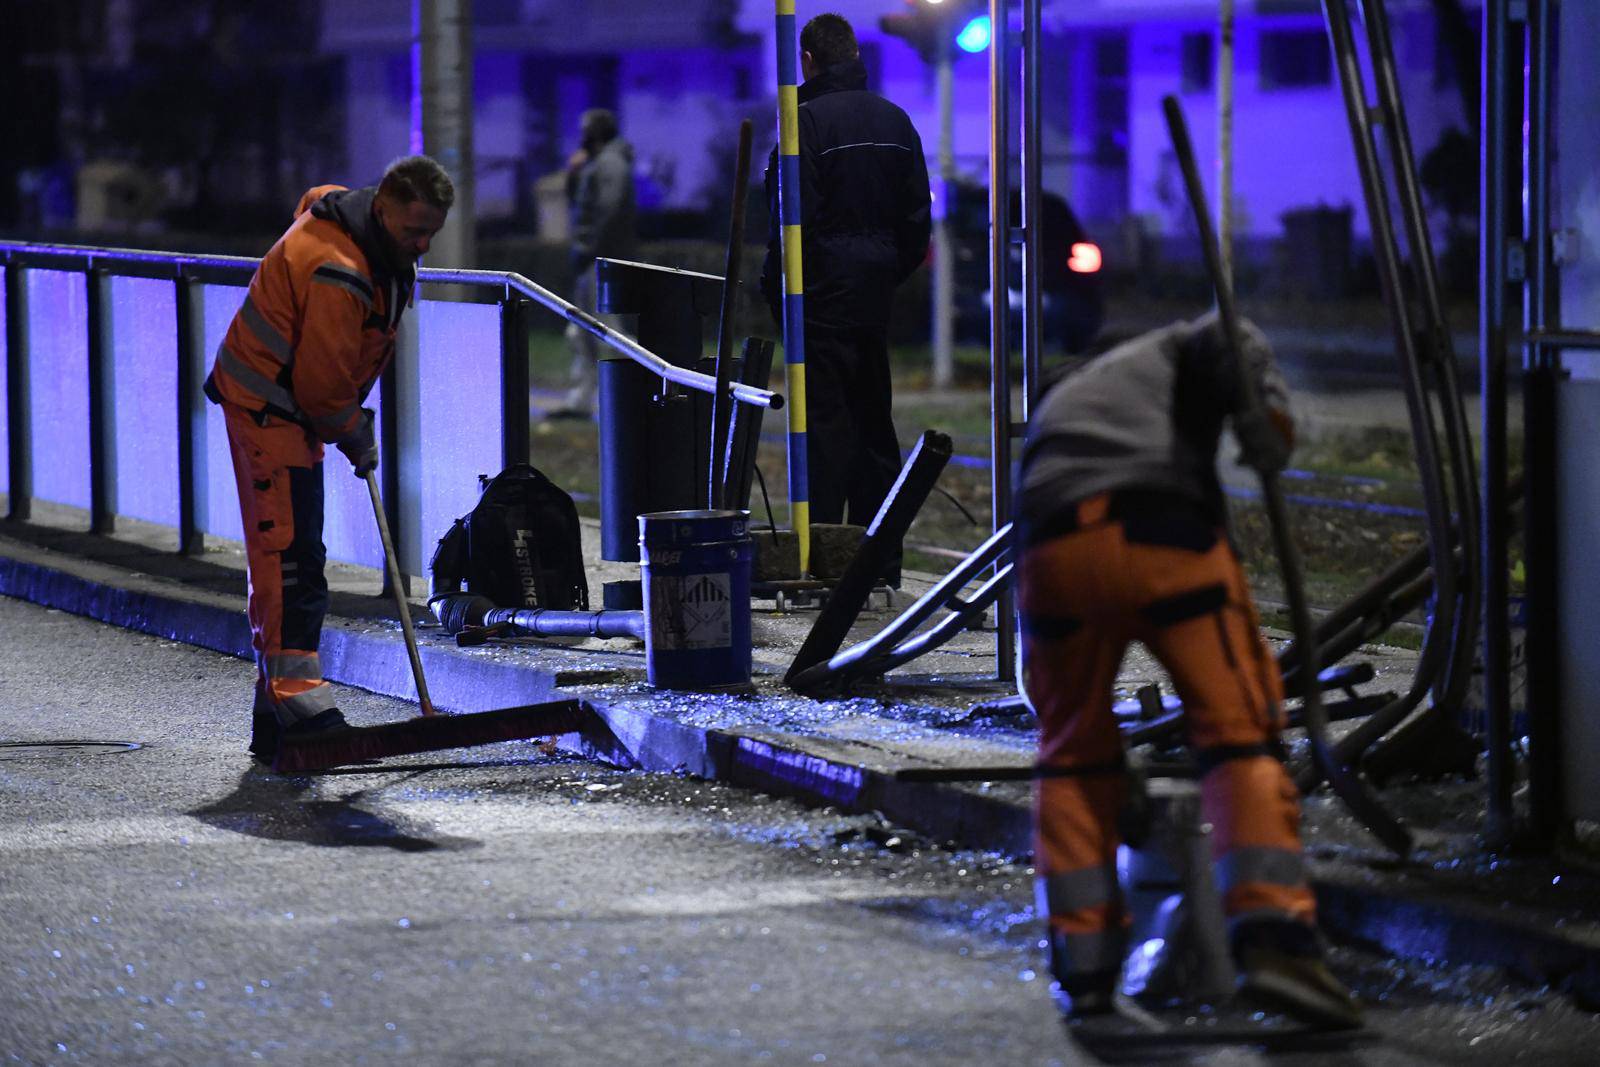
{"x": 1146, "y": 415}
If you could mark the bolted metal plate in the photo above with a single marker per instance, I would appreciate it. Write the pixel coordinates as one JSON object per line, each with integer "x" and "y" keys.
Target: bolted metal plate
{"x": 16, "y": 751}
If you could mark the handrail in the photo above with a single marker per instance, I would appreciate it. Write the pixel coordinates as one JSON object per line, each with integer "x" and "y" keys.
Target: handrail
{"x": 94, "y": 258}
{"x": 691, "y": 379}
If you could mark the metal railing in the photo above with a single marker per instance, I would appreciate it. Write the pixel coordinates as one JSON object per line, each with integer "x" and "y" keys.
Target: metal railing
{"x": 106, "y": 351}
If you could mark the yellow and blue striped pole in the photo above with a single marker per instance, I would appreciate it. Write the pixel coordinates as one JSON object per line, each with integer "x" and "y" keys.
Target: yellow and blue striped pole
{"x": 794, "y": 328}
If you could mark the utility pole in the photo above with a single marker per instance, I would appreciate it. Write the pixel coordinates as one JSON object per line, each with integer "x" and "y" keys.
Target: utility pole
{"x": 441, "y": 116}
{"x": 929, "y": 27}
{"x": 943, "y": 252}
{"x": 1225, "y": 65}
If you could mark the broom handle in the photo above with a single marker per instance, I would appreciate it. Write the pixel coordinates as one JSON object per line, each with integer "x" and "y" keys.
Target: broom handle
{"x": 400, "y": 605}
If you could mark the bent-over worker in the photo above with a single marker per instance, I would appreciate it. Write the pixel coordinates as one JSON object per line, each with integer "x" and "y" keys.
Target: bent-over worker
{"x": 1122, "y": 536}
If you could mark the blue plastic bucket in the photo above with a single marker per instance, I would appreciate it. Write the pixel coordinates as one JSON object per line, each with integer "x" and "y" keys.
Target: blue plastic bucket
{"x": 696, "y": 569}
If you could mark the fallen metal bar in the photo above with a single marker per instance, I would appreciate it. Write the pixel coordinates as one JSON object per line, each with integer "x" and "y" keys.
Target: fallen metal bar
{"x": 1027, "y": 772}
{"x": 968, "y": 610}
{"x": 901, "y": 505}
{"x": 1169, "y": 727}
{"x": 552, "y": 622}
{"x": 857, "y": 661}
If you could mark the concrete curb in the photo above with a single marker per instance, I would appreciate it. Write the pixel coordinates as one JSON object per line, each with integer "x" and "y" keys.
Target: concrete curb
{"x": 852, "y": 777}
{"x": 368, "y": 657}
{"x": 1459, "y": 932}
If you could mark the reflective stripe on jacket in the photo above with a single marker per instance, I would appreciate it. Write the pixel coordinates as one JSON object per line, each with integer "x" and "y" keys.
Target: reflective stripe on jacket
{"x": 318, "y": 325}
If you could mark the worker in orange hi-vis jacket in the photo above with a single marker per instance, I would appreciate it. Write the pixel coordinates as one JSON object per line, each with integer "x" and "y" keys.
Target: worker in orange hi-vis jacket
{"x": 314, "y": 333}
{"x": 1122, "y": 536}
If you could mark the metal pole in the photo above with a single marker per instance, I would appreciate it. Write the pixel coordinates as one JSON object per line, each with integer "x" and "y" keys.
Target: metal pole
{"x": 1000, "y": 315}
{"x": 19, "y": 422}
{"x": 1541, "y": 368}
{"x": 1225, "y": 65}
{"x": 1435, "y": 348}
{"x": 794, "y": 318}
{"x": 102, "y": 406}
{"x": 943, "y": 268}
{"x": 1492, "y": 241}
{"x": 1032, "y": 314}
{"x": 1391, "y": 274}
{"x": 441, "y": 116}
{"x": 515, "y": 442}
{"x": 721, "y": 403}
{"x": 191, "y": 415}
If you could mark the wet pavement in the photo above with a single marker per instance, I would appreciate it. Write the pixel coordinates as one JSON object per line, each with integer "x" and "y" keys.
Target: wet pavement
{"x": 1453, "y": 904}
{"x": 170, "y": 903}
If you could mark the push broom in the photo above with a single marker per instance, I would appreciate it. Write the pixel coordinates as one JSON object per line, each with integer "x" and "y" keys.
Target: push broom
{"x": 431, "y": 730}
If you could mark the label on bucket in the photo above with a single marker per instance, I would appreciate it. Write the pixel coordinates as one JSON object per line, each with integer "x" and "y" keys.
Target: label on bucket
{"x": 691, "y": 611}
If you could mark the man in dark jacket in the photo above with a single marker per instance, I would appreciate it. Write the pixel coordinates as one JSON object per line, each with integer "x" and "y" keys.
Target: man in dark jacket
{"x": 865, "y": 220}
{"x": 600, "y": 190}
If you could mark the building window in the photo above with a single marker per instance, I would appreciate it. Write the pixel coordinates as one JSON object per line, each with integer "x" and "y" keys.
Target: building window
{"x": 1295, "y": 59}
{"x": 1199, "y": 64}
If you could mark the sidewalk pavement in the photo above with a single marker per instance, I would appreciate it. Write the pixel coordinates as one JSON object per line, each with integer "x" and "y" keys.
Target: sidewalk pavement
{"x": 1450, "y": 902}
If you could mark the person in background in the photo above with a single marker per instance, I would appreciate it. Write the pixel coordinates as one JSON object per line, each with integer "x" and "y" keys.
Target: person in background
{"x": 866, "y": 218}
{"x": 601, "y": 193}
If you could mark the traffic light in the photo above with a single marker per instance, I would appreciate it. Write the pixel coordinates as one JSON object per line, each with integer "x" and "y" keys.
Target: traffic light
{"x": 925, "y": 24}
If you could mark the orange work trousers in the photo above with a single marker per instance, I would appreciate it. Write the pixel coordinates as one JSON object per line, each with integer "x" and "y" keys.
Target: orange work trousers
{"x": 278, "y": 467}
{"x": 1169, "y": 579}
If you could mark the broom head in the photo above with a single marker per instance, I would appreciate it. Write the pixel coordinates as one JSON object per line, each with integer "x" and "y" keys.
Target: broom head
{"x": 428, "y": 733}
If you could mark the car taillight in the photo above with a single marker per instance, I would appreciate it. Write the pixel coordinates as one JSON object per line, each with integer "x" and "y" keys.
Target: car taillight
{"x": 1085, "y": 258}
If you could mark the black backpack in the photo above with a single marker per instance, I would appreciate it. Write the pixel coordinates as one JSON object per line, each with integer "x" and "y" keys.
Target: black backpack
{"x": 520, "y": 547}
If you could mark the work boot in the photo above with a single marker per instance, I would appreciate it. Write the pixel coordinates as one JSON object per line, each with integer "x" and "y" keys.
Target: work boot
{"x": 1084, "y": 996}
{"x": 1282, "y": 968}
{"x": 322, "y": 722}
{"x": 264, "y": 731}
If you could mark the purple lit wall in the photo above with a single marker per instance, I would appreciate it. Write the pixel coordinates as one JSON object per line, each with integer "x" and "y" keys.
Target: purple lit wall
{"x": 348, "y": 529}
{"x": 144, "y": 360}
{"x": 58, "y": 372}
{"x": 456, "y": 433}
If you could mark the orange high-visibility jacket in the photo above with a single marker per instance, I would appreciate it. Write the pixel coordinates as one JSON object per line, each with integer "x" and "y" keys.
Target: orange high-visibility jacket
{"x": 318, "y": 325}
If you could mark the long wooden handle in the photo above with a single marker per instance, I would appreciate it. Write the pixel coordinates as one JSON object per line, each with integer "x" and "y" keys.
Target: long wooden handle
{"x": 400, "y": 605}
{"x": 1360, "y": 800}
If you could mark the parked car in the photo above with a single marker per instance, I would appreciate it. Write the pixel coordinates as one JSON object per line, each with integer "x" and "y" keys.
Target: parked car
{"x": 1069, "y": 271}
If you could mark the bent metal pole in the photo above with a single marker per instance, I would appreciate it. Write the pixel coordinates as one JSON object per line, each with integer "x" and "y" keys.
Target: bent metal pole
{"x": 794, "y": 331}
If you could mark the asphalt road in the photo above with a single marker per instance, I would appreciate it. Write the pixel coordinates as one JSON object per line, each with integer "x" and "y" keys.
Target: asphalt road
{"x": 172, "y": 904}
